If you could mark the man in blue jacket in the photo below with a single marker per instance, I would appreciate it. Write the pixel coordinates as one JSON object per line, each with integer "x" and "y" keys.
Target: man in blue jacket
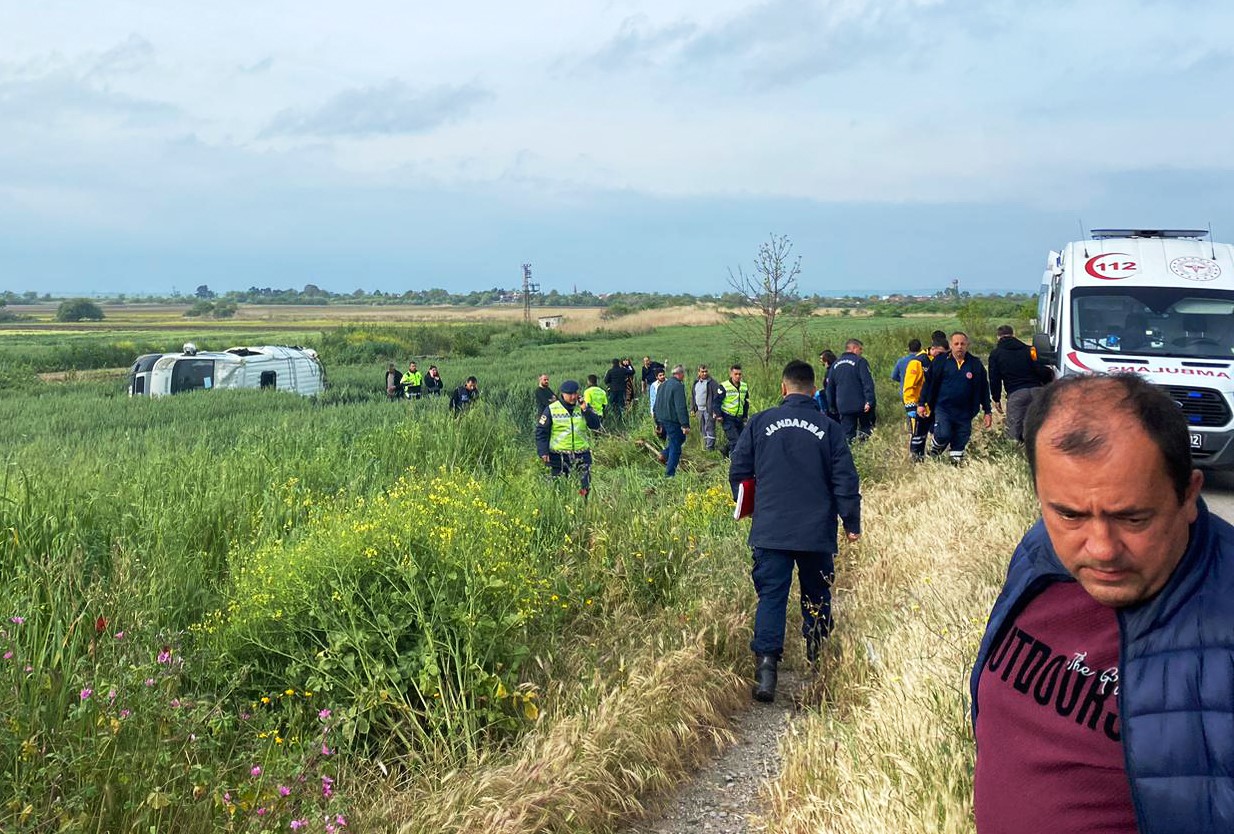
{"x": 670, "y": 412}
{"x": 956, "y": 388}
{"x": 850, "y": 389}
{"x": 1103, "y": 692}
{"x": 804, "y": 478}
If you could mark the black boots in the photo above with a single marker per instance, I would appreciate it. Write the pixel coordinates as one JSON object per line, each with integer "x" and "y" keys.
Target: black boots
{"x": 765, "y": 678}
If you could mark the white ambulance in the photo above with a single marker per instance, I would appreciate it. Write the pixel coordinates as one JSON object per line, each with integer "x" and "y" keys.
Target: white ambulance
{"x": 268, "y": 367}
{"x": 1155, "y": 302}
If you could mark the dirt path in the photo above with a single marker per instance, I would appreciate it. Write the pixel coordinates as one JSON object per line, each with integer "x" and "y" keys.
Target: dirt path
{"x": 723, "y": 798}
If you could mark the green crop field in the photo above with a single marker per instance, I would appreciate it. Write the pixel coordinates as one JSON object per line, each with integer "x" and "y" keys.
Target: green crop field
{"x": 239, "y": 610}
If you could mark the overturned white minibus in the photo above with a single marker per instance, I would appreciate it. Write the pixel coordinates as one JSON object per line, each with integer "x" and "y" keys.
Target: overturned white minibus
{"x": 1159, "y": 303}
{"x": 271, "y": 367}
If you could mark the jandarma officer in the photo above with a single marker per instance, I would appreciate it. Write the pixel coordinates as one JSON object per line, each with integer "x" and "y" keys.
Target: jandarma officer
{"x": 562, "y": 435}
{"x": 804, "y": 480}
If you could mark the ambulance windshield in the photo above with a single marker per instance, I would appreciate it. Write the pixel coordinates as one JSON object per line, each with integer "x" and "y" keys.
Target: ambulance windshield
{"x": 1154, "y": 321}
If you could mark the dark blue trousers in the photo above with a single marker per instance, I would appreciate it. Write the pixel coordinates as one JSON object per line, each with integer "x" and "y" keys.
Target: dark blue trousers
{"x": 672, "y": 452}
{"x": 773, "y": 575}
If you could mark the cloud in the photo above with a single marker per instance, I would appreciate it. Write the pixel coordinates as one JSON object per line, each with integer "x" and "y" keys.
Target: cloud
{"x": 783, "y": 42}
{"x": 638, "y": 43}
{"x": 58, "y": 97}
{"x": 385, "y": 109}
{"x": 132, "y": 56}
{"x": 261, "y": 66}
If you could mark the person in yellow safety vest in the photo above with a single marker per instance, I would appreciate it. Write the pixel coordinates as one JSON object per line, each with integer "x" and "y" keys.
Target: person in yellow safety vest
{"x": 595, "y": 396}
{"x": 731, "y": 407}
{"x": 914, "y": 381}
{"x": 562, "y": 435}
{"x": 413, "y": 382}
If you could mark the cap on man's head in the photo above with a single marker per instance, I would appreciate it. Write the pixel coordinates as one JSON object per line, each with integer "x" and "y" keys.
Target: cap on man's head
{"x": 569, "y": 387}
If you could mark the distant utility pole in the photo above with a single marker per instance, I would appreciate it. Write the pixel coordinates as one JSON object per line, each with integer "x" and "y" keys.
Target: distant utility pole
{"x": 955, "y": 287}
{"x": 529, "y": 289}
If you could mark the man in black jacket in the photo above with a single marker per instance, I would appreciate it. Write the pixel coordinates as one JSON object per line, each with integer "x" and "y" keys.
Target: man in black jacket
{"x": 464, "y": 395}
{"x": 804, "y": 478}
{"x": 1014, "y": 367}
{"x": 615, "y": 380}
{"x": 544, "y": 394}
{"x": 850, "y": 389}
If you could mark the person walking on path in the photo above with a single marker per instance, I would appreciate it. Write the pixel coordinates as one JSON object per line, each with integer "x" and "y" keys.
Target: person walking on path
{"x": 562, "y": 435}
{"x": 702, "y": 395}
{"x": 671, "y": 413}
{"x": 543, "y": 394}
{"x": 1013, "y": 366}
{"x": 956, "y": 389}
{"x": 897, "y": 373}
{"x": 413, "y": 382}
{"x": 804, "y": 479}
{"x": 1101, "y": 693}
{"x": 464, "y": 395}
{"x": 914, "y": 382}
{"x": 850, "y": 389}
{"x": 731, "y": 407}
{"x": 615, "y": 381}
{"x": 433, "y": 383}
{"x": 826, "y": 359}
{"x": 594, "y": 396}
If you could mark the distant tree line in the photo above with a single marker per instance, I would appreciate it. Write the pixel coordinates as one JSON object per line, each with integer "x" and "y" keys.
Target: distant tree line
{"x": 206, "y": 303}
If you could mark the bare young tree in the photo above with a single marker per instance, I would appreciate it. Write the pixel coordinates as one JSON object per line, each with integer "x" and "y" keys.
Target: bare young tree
{"x": 768, "y": 308}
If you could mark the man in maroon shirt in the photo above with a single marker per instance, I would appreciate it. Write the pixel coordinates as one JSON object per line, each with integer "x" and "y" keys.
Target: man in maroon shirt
{"x": 1100, "y": 667}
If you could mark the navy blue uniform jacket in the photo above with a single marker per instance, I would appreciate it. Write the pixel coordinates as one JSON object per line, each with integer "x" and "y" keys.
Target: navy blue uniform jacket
{"x": 850, "y": 385}
{"x": 1176, "y": 677}
{"x": 804, "y": 477}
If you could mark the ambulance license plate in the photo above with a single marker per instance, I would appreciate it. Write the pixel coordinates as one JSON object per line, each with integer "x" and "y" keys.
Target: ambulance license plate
{"x": 1197, "y": 441}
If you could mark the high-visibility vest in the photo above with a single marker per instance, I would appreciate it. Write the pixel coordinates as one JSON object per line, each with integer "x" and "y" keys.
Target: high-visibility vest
{"x": 414, "y": 379}
{"x": 597, "y": 399}
{"x": 569, "y": 433}
{"x": 733, "y": 395}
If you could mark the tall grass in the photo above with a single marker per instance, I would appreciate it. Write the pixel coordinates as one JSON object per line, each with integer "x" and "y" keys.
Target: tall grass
{"x": 263, "y": 592}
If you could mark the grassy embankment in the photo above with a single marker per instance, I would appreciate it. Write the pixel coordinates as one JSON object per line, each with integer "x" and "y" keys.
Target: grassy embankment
{"x": 185, "y": 572}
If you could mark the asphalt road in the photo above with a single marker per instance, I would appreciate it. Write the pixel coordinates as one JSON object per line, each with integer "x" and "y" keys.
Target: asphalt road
{"x": 1219, "y": 493}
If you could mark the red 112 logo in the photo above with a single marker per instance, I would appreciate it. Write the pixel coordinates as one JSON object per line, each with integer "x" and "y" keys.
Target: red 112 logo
{"x": 1111, "y": 266}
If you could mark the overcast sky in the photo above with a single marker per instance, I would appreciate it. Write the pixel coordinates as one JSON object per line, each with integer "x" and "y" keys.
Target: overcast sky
{"x": 628, "y": 144}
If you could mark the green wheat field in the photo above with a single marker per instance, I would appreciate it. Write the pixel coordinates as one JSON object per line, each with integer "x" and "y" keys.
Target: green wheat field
{"x": 249, "y": 611}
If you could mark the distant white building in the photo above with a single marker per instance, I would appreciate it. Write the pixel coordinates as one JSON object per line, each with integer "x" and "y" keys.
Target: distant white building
{"x": 550, "y": 322}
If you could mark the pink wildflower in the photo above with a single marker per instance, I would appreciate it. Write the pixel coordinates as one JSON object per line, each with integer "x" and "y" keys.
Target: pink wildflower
{"x": 165, "y": 656}
{"x": 284, "y": 790}
{"x": 175, "y": 703}
{"x": 261, "y": 812}
{"x": 124, "y": 713}
{"x": 149, "y": 681}
{"x": 111, "y": 696}
{"x": 325, "y": 751}
{"x": 327, "y": 787}
{"x": 17, "y": 620}
{"x": 8, "y": 655}
{"x": 119, "y": 635}
{"x": 86, "y": 693}
{"x": 298, "y": 824}
{"x": 227, "y": 796}
{"x": 256, "y": 771}
{"x": 324, "y": 714}
{"x": 341, "y": 820}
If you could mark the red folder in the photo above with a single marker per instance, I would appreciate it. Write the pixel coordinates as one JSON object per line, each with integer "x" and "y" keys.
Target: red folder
{"x": 745, "y": 499}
